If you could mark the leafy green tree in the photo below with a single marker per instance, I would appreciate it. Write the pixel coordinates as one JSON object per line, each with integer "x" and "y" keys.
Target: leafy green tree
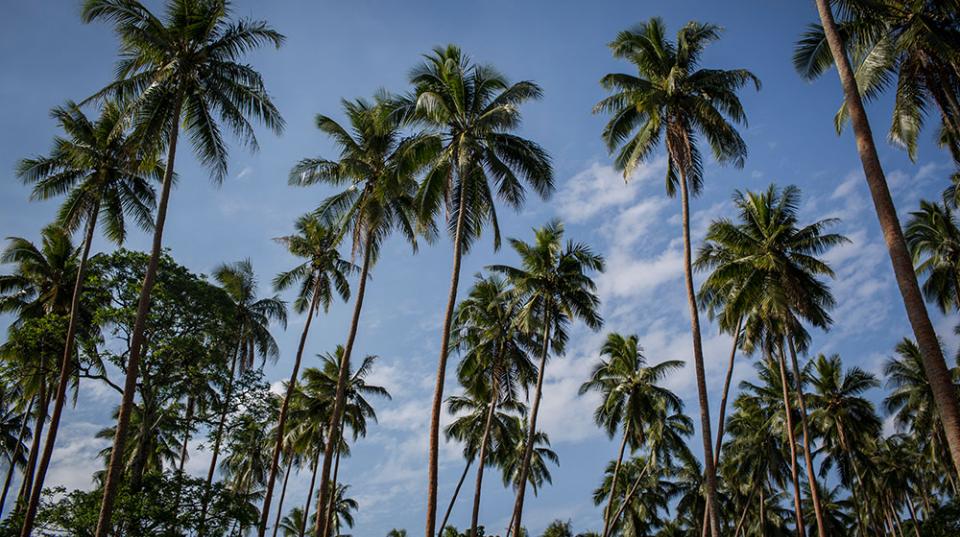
{"x": 555, "y": 288}
{"x": 558, "y": 528}
{"x": 473, "y": 112}
{"x": 933, "y": 237}
{"x": 673, "y": 99}
{"x": 184, "y": 70}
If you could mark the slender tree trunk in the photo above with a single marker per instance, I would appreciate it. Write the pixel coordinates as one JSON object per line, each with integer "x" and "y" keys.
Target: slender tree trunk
{"x": 743, "y": 515}
{"x": 283, "y": 496}
{"x": 336, "y": 417}
{"x": 896, "y": 516}
{"x": 65, "y": 370}
{"x": 913, "y": 515}
{"x": 532, "y": 427}
{"x": 763, "y": 513}
{"x": 282, "y": 418}
{"x": 941, "y": 382}
{"x": 788, "y": 409}
{"x": 482, "y": 456}
{"x": 186, "y": 434}
{"x": 807, "y": 456}
{"x": 613, "y": 483}
{"x": 433, "y": 454}
{"x": 26, "y": 487}
{"x": 331, "y": 504}
{"x": 227, "y": 395}
{"x": 629, "y": 496}
{"x": 313, "y": 482}
{"x": 710, "y": 474}
{"x": 857, "y": 504}
{"x": 456, "y": 492}
{"x": 16, "y": 453}
{"x": 115, "y": 468}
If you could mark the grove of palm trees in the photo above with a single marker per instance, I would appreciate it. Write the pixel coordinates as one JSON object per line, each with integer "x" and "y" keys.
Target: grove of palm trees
{"x": 375, "y": 268}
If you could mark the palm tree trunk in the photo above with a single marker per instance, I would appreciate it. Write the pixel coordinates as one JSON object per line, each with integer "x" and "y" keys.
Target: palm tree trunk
{"x": 532, "y": 427}
{"x": 313, "y": 482}
{"x": 227, "y": 395}
{"x": 115, "y": 468}
{"x": 913, "y": 514}
{"x": 283, "y": 495}
{"x": 857, "y": 504}
{"x": 336, "y": 417}
{"x": 895, "y": 516}
{"x": 456, "y": 492}
{"x": 282, "y": 418}
{"x": 807, "y": 456}
{"x": 763, "y": 513}
{"x": 16, "y": 453}
{"x": 788, "y": 409}
{"x": 331, "y": 504}
{"x": 629, "y": 496}
{"x": 613, "y": 483}
{"x": 436, "y": 408}
{"x": 482, "y": 456}
{"x": 26, "y": 486}
{"x": 186, "y": 435}
{"x": 65, "y": 369}
{"x": 710, "y": 474}
{"x": 941, "y": 382}
{"x": 743, "y": 515}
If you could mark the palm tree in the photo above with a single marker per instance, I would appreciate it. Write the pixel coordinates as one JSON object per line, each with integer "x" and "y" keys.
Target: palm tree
{"x": 496, "y": 362}
{"x": 644, "y": 495}
{"x": 554, "y": 286}
{"x": 343, "y": 508}
{"x": 184, "y": 69}
{"x": 933, "y": 237}
{"x": 252, "y": 318}
{"x": 322, "y": 274}
{"x": 935, "y": 367}
{"x": 293, "y": 523}
{"x": 14, "y": 433}
{"x": 672, "y": 98}
{"x": 912, "y": 45}
{"x": 474, "y": 111}
{"x": 377, "y": 166}
{"x": 631, "y": 398}
{"x": 513, "y": 454}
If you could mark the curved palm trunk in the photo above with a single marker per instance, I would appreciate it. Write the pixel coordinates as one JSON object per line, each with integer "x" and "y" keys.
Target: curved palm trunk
{"x": 313, "y": 483}
{"x": 743, "y": 516}
{"x": 453, "y": 499}
{"x": 26, "y": 487}
{"x": 436, "y": 408}
{"x": 794, "y": 475}
{"x": 282, "y": 418}
{"x": 115, "y": 468}
{"x": 613, "y": 484}
{"x": 482, "y": 459}
{"x": 807, "y": 456}
{"x": 532, "y": 428}
{"x": 337, "y": 417}
{"x": 913, "y": 514}
{"x": 941, "y": 382}
{"x": 710, "y": 474}
{"x": 283, "y": 495}
{"x": 331, "y": 506}
{"x": 228, "y": 394}
{"x": 65, "y": 369}
{"x": 16, "y": 453}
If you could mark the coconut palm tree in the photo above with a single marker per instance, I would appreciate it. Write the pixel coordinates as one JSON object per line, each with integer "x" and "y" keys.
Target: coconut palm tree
{"x": 935, "y": 367}
{"x": 377, "y": 165}
{"x": 473, "y": 111}
{"x": 631, "y": 397}
{"x": 293, "y": 523}
{"x": 672, "y": 98}
{"x": 554, "y": 285}
{"x": 106, "y": 176}
{"x": 513, "y": 454}
{"x": 321, "y": 275}
{"x": 343, "y": 509}
{"x": 643, "y": 496}
{"x": 495, "y": 364}
{"x": 182, "y": 70}
{"x": 933, "y": 237}
{"x": 911, "y": 45}
{"x": 14, "y": 433}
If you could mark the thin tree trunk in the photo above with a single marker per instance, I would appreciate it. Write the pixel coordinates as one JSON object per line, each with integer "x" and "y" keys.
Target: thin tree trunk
{"x": 743, "y": 516}
{"x": 532, "y": 427}
{"x": 331, "y": 504}
{"x": 282, "y": 418}
{"x": 115, "y": 468}
{"x": 65, "y": 369}
{"x": 16, "y": 453}
{"x": 808, "y": 458}
{"x": 934, "y": 365}
{"x": 913, "y": 514}
{"x": 456, "y": 492}
{"x": 336, "y": 417}
{"x": 710, "y": 474}
{"x": 629, "y": 496}
{"x": 186, "y": 435}
{"x": 788, "y": 409}
{"x": 283, "y": 495}
{"x": 26, "y": 487}
{"x": 895, "y": 516}
{"x": 227, "y": 395}
{"x": 313, "y": 482}
{"x": 482, "y": 456}
{"x": 433, "y": 454}
{"x": 763, "y": 513}
{"x": 613, "y": 483}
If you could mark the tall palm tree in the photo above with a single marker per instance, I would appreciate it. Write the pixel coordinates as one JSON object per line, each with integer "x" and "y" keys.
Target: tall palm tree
{"x": 631, "y": 397}
{"x": 554, "y": 285}
{"x": 377, "y": 165}
{"x": 643, "y": 496}
{"x": 933, "y": 237}
{"x": 184, "y": 69}
{"x": 474, "y": 112}
{"x": 322, "y": 274}
{"x": 672, "y": 98}
{"x": 495, "y": 364}
{"x": 935, "y": 367}
{"x": 514, "y": 453}
{"x": 343, "y": 509}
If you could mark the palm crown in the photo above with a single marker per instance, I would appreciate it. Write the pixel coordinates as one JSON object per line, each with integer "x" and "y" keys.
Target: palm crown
{"x": 323, "y": 272}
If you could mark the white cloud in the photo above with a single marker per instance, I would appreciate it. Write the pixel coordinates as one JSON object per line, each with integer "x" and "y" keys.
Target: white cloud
{"x": 600, "y": 187}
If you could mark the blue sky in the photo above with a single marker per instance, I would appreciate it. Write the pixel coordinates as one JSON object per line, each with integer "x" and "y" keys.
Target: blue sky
{"x": 351, "y": 49}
